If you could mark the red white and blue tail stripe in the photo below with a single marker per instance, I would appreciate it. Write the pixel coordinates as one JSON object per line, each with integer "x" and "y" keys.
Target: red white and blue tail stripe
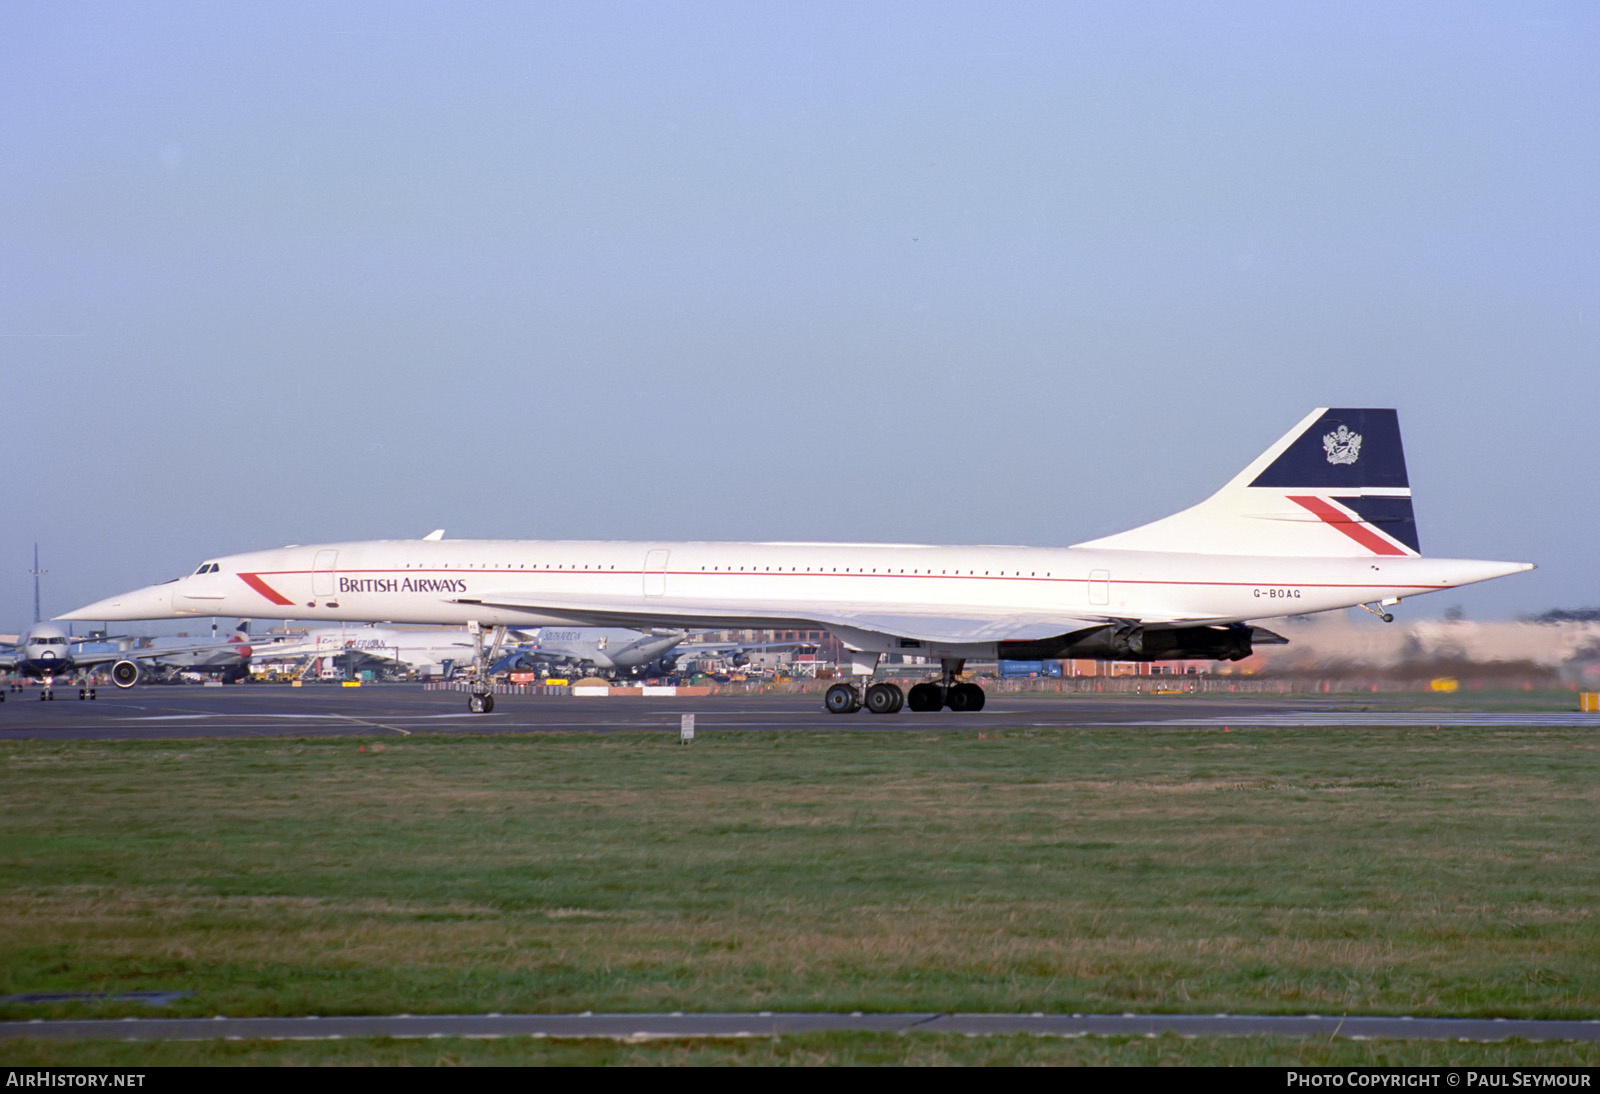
{"x": 1333, "y": 486}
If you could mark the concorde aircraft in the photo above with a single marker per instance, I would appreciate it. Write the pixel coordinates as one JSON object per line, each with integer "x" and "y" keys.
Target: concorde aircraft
{"x": 1320, "y": 520}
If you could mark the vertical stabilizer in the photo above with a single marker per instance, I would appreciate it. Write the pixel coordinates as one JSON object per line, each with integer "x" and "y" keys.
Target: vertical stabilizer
{"x": 1333, "y": 486}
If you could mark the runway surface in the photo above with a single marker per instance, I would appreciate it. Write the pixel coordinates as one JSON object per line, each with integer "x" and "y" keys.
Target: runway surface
{"x": 404, "y": 709}
{"x": 641, "y": 1027}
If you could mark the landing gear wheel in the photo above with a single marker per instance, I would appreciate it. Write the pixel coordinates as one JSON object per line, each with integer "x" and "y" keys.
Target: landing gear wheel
{"x": 885, "y": 698}
{"x": 83, "y": 693}
{"x": 480, "y": 704}
{"x": 965, "y": 697}
{"x": 925, "y": 697}
{"x": 842, "y": 699}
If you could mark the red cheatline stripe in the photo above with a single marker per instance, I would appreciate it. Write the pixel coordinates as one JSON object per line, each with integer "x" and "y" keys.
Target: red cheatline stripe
{"x": 1354, "y": 529}
{"x": 264, "y": 589}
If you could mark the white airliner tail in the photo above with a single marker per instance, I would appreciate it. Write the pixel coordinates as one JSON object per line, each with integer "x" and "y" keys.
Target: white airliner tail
{"x": 1334, "y": 486}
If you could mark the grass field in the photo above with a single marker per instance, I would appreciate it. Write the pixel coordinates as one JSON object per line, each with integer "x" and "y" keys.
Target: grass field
{"x": 1285, "y": 871}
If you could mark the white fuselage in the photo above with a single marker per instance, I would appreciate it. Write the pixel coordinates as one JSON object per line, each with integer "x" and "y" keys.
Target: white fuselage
{"x": 588, "y": 582}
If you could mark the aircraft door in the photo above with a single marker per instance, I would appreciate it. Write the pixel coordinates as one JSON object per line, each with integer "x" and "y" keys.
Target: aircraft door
{"x": 1100, "y": 587}
{"x": 655, "y": 573}
{"x": 322, "y": 573}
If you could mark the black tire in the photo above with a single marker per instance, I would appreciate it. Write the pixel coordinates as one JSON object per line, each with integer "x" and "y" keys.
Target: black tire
{"x": 925, "y": 697}
{"x": 965, "y": 697}
{"x": 884, "y": 699}
{"x": 842, "y": 699}
{"x": 480, "y": 704}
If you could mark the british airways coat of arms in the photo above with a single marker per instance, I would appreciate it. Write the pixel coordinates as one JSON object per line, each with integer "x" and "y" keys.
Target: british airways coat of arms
{"x": 1342, "y": 445}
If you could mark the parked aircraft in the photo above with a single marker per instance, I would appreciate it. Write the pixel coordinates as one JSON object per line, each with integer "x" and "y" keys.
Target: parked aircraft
{"x": 227, "y": 658}
{"x": 436, "y": 652}
{"x": 617, "y": 652}
{"x": 45, "y": 652}
{"x": 602, "y": 651}
{"x": 1322, "y": 519}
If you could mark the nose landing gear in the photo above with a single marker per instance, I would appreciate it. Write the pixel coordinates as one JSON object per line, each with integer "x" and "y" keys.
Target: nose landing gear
{"x": 480, "y": 696}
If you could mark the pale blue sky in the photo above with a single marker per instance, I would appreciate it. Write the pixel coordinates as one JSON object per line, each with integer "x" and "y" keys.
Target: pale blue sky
{"x": 1027, "y": 273}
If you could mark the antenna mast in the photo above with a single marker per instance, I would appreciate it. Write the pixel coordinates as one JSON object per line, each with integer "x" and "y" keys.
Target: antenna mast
{"x": 36, "y": 572}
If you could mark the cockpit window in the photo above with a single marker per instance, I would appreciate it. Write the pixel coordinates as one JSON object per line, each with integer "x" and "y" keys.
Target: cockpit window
{"x": 206, "y": 568}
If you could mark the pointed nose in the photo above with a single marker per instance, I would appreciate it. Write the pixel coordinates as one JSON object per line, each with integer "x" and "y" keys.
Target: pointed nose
{"x": 151, "y": 602}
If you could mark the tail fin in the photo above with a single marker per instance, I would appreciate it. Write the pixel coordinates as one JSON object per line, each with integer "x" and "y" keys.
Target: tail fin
{"x": 1333, "y": 486}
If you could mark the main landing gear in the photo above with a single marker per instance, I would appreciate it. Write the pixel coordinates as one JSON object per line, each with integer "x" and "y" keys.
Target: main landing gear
{"x": 887, "y": 698}
{"x": 47, "y": 690}
{"x": 882, "y": 698}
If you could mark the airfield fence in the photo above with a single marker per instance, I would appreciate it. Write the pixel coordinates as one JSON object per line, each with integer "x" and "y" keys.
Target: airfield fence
{"x": 500, "y": 689}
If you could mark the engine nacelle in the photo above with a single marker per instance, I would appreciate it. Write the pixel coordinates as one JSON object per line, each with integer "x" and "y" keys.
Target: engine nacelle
{"x": 125, "y": 674}
{"x": 1132, "y": 642}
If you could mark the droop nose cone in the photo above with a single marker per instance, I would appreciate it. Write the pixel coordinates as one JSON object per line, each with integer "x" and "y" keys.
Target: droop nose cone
{"x": 151, "y": 602}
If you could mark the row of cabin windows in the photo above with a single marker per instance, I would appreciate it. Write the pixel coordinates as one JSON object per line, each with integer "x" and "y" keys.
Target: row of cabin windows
{"x": 211, "y": 568}
{"x": 889, "y": 571}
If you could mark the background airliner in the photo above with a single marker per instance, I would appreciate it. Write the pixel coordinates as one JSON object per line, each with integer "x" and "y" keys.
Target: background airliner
{"x": 168, "y": 658}
{"x": 607, "y": 651}
{"x": 1322, "y": 519}
{"x": 616, "y": 652}
{"x": 432, "y": 652}
{"x": 45, "y": 652}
